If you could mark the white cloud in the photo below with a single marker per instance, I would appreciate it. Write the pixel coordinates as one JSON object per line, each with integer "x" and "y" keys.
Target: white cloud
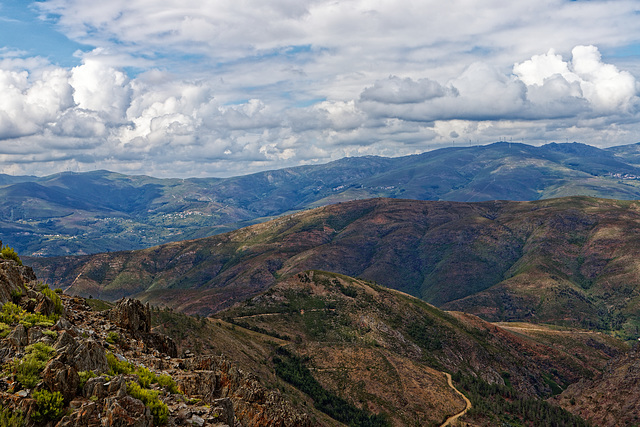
{"x": 226, "y": 87}
{"x": 605, "y": 87}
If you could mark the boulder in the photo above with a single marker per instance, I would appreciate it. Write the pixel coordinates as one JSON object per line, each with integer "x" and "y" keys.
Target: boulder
{"x": 13, "y": 277}
{"x": 126, "y": 412}
{"x": 61, "y": 377}
{"x": 130, "y": 314}
{"x": 18, "y": 337}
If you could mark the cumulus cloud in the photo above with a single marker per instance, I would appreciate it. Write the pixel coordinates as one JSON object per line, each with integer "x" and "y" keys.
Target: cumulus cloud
{"x": 226, "y": 87}
{"x": 102, "y": 89}
{"x": 395, "y": 90}
{"x": 604, "y": 86}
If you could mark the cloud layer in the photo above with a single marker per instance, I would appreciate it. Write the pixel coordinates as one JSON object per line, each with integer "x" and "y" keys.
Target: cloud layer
{"x": 222, "y": 88}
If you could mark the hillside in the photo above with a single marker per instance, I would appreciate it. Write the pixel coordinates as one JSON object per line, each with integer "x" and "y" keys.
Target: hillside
{"x": 317, "y": 349}
{"x": 385, "y": 352}
{"x": 564, "y": 261}
{"x": 82, "y": 213}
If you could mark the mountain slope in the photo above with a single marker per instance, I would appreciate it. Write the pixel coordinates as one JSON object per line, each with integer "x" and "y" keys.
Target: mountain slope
{"x": 78, "y": 213}
{"x": 386, "y": 351}
{"x": 566, "y": 261}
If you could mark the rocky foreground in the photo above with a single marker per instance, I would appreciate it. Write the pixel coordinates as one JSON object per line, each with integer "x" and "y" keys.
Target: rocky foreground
{"x": 67, "y": 365}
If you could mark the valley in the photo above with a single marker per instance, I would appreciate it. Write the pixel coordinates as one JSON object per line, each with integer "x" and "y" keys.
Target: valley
{"x": 563, "y": 261}
{"x": 91, "y": 212}
{"x": 347, "y": 308}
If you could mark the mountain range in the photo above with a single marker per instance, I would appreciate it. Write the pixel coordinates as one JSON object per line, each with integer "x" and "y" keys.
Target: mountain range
{"x": 82, "y": 213}
{"x": 347, "y": 309}
{"x": 566, "y": 261}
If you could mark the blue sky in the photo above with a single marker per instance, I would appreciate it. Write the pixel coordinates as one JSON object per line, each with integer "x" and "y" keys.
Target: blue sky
{"x": 220, "y": 87}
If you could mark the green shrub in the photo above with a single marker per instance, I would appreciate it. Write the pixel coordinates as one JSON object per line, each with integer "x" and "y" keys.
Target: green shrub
{"x": 159, "y": 409}
{"x": 113, "y": 337}
{"x": 53, "y": 296}
{"x": 145, "y": 377}
{"x": 11, "y": 313}
{"x": 4, "y": 330}
{"x": 8, "y": 253}
{"x": 9, "y": 418}
{"x": 28, "y": 368}
{"x": 37, "y": 319}
{"x": 165, "y": 381}
{"x": 84, "y": 377}
{"x": 50, "y": 405}
{"x": 117, "y": 367}
{"x": 16, "y": 294}
{"x": 50, "y": 333}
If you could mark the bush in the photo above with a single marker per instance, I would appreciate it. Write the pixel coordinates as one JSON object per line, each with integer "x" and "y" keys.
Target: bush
{"x": 50, "y": 405}
{"x": 117, "y": 367}
{"x": 9, "y": 418}
{"x": 37, "y": 319}
{"x": 145, "y": 377}
{"x": 53, "y": 296}
{"x": 113, "y": 337}
{"x": 50, "y": 333}
{"x": 159, "y": 409}
{"x": 8, "y": 253}
{"x": 166, "y": 382}
{"x": 4, "y": 330}
{"x": 16, "y": 294}
{"x": 11, "y": 313}
{"x": 84, "y": 377}
{"x": 28, "y": 368}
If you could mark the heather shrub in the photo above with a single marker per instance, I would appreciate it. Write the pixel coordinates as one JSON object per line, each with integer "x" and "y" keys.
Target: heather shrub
{"x": 159, "y": 409}
{"x": 8, "y": 253}
{"x": 50, "y": 405}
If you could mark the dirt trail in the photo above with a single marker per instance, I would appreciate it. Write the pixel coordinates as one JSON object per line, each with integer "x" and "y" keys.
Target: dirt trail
{"x": 454, "y": 418}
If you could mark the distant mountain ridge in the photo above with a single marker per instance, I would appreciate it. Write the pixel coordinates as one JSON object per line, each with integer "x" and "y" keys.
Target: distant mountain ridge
{"x": 80, "y": 213}
{"x": 568, "y": 261}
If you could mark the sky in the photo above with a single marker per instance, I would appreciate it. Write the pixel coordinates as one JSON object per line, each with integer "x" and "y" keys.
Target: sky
{"x": 195, "y": 88}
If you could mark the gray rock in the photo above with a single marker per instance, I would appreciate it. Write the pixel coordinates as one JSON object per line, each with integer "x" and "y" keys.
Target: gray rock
{"x": 18, "y": 337}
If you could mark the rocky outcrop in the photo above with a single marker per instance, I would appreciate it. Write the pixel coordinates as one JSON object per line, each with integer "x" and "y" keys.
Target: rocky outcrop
{"x": 13, "y": 278}
{"x": 132, "y": 315}
{"x": 218, "y": 382}
{"x": 96, "y": 388}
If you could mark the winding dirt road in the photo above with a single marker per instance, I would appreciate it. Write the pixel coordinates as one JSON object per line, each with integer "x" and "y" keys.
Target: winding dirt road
{"x": 453, "y": 418}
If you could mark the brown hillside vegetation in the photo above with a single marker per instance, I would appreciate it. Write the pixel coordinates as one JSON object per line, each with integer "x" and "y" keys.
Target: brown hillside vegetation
{"x": 317, "y": 349}
{"x": 387, "y": 351}
{"x": 565, "y": 261}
